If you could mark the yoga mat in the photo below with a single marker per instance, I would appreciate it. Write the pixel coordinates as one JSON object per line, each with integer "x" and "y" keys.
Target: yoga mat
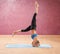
{"x": 27, "y": 46}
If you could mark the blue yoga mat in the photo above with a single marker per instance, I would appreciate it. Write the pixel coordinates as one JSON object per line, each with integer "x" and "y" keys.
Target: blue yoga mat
{"x": 27, "y": 46}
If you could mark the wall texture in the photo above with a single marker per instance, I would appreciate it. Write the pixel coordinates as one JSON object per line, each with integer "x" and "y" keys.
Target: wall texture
{"x": 17, "y": 14}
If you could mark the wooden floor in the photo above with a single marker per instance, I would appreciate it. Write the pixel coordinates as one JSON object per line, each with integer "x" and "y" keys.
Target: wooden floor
{"x": 54, "y": 40}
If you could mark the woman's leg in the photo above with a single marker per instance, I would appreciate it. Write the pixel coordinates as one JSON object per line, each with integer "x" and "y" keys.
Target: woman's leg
{"x": 36, "y": 7}
{"x": 33, "y": 23}
{"x": 27, "y": 29}
{"x": 23, "y": 30}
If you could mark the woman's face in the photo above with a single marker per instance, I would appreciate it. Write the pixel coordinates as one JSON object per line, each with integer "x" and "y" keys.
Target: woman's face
{"x": 35, "y": 44}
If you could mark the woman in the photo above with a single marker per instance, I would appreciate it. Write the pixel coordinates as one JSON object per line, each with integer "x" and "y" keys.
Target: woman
{"x": 32, "y": 28}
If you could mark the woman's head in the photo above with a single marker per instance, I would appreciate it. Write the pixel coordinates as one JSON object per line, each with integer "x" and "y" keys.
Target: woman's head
{"x": 36, "y": 43}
